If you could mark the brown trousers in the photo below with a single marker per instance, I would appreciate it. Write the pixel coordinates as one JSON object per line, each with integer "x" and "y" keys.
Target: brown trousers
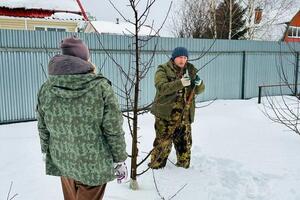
{"x": 74, "y": 190}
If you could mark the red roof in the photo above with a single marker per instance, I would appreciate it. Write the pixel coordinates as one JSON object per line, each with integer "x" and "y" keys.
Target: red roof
{"x": 21, "y": 12}
{"x": 31, "y": 12}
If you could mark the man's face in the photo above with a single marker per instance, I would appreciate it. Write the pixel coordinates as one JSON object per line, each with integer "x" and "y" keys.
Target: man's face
{"x": 180, "y": 61}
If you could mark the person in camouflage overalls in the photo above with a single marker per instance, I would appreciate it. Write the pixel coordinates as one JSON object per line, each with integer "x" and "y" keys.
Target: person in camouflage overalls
{"x": 80, "y": 125}
{"x": 176, "y": 81}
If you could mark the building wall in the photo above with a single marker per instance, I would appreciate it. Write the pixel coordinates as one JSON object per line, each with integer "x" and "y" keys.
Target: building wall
{"x": 29, "y": 24}
{"x": 295, "y": 22}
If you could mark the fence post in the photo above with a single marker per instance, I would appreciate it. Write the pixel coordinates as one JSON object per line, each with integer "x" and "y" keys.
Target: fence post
{"x": 243, "y": 75}
{"x": 296, "y": 73}
{"x": 259, "y": 94}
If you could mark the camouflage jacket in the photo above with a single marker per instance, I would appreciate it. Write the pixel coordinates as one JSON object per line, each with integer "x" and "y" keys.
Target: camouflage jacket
{"x": 80, "y": 127}
{"x": 168, "y": 85}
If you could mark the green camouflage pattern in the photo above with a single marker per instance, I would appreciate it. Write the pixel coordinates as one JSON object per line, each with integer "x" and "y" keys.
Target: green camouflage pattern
{"x": 168, "y": 84}
{"x": 176, "y": 131}
{"x": 80, "y": 128}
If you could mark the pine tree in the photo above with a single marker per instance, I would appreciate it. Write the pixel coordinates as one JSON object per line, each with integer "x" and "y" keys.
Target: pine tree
{"x": 238, "y": 28}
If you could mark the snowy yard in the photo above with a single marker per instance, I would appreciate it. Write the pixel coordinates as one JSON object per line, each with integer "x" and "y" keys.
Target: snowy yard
{"x": 237, "y": 154}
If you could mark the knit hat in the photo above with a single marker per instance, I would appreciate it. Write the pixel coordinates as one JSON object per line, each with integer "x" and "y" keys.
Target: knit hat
{"x": 179, "y": 51}
{"x": 74, "y": 46}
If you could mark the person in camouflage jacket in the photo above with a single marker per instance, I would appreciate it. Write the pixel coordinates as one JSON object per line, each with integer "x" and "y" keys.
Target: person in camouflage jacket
{"x": 80, "y": 124}
{"x": 175, "y": 81}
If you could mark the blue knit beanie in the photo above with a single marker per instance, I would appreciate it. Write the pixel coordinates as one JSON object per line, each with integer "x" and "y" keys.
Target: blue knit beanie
{"x": 179, "y": 51}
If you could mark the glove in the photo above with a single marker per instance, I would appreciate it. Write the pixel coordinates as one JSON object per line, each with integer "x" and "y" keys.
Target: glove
{"x": 121, "y": 171}
{"x": 197, "y": 81}
{"x": 185, "y": 80}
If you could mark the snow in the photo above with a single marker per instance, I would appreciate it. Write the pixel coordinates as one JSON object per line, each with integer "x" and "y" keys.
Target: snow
{"x": 120, "y": 28}
{"x": 62, "y": 5}
{"x": 66, "y": 16}
{"x": 237, "y": 154}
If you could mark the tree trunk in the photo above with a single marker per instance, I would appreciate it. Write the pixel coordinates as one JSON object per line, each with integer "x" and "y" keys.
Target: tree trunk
{"x": 213, "y": 11}
{"x": 134, "y": 149}
{"x": 250, "y": 21}
{"x": 230, "y": 19}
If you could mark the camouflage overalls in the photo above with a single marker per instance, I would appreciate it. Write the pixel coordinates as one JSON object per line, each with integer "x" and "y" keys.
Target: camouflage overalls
{"x": 177, "y": 131}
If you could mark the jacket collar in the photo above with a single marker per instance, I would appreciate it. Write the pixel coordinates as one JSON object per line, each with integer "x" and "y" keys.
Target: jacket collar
{"x": 67, "y": 65}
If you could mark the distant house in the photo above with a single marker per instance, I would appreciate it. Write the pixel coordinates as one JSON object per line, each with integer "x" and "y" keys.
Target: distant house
{"x": 116, "y": 28}
{"x": 293, "y": 31}
{"x": 272, "y": 20}
{"x": 54, "y": 15}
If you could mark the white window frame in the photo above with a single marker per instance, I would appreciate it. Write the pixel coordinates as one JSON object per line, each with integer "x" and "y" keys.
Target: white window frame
{"x": 46, "y": 27}
{"x": 294, "y": 29}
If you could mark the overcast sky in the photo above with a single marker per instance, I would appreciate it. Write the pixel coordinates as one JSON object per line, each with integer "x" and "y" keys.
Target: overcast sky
{"x": 103, "y": 10}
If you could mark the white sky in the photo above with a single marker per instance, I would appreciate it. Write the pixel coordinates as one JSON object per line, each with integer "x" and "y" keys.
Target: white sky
{"x": 103, "y": 10}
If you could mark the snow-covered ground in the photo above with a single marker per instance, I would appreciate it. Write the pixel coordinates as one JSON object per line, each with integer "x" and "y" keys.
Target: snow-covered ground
{"x": 237, "y": 154}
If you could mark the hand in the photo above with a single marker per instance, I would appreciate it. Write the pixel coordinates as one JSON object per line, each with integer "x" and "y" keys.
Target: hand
{"x": 197, "y": 81}
{"x": 186, "y": 80}
{"x": 121, "y": 171}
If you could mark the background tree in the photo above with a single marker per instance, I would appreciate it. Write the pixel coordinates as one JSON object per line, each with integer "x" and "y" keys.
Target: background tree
{"x": 211, "y": 19}
{"x": 192, "y": 19}
{"x": 200, "y": 19}
{"x": 274, "y": 13}
{"x": 230, "y": 19}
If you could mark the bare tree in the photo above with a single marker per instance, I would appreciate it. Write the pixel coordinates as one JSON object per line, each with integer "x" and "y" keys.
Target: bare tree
{"x": 250, "y": 18}
{"x": 274, "y": 13}
{"x": 136, "y": 74}
{"x": 193, "y": 18}
{"x": 159, "y": 193}
{"x": 230, "y": 19}
{"x": 9, "y": 191}
{"x": 214, "y": 17}
{"x": 285, "y": 109}
{"x": 135, "y": 71}
{"x": 222, "y": 19}
{"x": 202, "y": 16}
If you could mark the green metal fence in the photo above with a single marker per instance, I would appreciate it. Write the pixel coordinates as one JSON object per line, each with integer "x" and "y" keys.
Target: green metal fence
{"x": 233, "y": 69}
